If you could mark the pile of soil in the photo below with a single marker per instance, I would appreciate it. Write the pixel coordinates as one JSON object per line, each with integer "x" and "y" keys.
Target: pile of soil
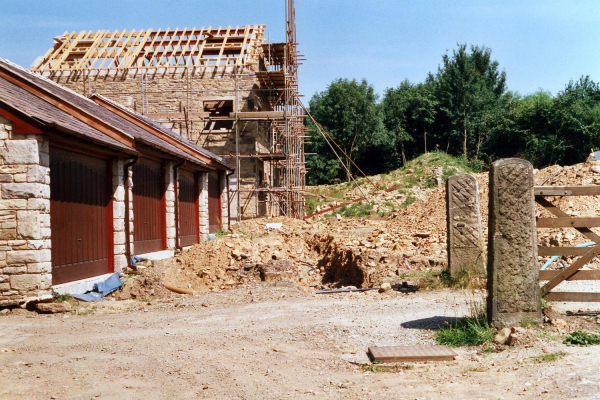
{"x": 244, "y": 256}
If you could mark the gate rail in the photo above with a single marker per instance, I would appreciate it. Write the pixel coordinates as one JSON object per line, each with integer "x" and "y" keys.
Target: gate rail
{"x": 586, "y": 254}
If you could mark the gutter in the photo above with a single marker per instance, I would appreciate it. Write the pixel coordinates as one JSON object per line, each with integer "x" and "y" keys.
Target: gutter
{"x": 227, "y": 175}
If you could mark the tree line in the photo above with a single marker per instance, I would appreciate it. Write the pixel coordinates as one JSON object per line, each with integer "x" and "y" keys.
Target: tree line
{"x": 464, "y": 109}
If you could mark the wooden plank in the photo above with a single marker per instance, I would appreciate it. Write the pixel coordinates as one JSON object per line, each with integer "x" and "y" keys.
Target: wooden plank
{"x": 67, "y": 51}
{"x": 581, "y": 275}
{"x": 223, "y": 43}
{"x": 573, "y": 296}
{"x": 568, "y": 222}
{"x": 592, "y": 190}
{"x": 115, "y": 57}
{"x": 560, "y": 213}
{"x": 544, "y": 251}
{"x": 140, "y": 47}
{"x": 565, "y": 274}
{"x": 411, "y": 353}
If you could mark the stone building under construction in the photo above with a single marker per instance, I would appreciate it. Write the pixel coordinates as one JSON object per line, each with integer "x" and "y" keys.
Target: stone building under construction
{"x": 226, "y": 89}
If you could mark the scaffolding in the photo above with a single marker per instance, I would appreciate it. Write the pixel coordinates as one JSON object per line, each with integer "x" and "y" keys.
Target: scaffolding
{"x": 240, "y": 51}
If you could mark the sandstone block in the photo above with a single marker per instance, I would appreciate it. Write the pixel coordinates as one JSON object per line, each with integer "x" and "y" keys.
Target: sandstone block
{"x": 38, "y": 204}
{"x": 21, "y": 152}
{"x": 37, "y": 173}
{"x": 26, "y": 282}
{"x": 23, "y": 256}
{"x": 51, "y": 308}
{"x": 28, "y": 225}
{"x": 25, "y": 190}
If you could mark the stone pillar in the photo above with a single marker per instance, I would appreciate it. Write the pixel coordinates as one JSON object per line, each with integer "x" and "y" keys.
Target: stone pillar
{"x": 465, "y": 235}
{"x": 170, "y": 204}
{"x": 25, "y": 246}
{"x": 203, "y": 204}
{"x": 224, "y": 200}
{"x": 118, "y": 183}
{"x": 513, "y": 272}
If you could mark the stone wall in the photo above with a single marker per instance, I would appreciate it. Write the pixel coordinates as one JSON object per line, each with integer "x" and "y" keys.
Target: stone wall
{"x": 203, "y": 205}
{"x": 25, "y": 247}
{"x": 168, "y": 95}
{"x": 170, "y": 204}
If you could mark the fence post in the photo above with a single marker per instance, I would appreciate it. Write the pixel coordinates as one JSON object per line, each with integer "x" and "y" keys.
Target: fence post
{"x": 465, "y": 235}
{"x": 513, "y": 275}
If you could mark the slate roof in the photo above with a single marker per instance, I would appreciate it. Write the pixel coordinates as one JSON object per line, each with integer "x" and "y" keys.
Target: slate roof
{"x": 37, "y": 108}
{"x": 34, "y": 105}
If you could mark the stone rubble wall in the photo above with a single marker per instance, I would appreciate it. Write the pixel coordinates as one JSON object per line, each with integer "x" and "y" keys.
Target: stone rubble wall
{"x": 25, "y": 247}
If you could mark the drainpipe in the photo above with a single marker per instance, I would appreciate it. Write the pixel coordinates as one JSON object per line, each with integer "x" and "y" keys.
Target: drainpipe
{"x": 178, "y": 247}
{"x": 127, "y": 201}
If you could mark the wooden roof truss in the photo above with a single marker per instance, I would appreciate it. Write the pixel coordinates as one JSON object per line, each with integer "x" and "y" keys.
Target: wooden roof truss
{"x": 216, "y": 47}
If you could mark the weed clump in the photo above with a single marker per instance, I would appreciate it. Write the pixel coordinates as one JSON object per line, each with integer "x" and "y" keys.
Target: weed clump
{"x": 583, "y": 338}
{"x": 473, "y": 330}
{"x": 544, "y": 358}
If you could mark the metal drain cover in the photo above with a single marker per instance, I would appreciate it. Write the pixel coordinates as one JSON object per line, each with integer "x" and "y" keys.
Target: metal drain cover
{"x": 411, "y": 353}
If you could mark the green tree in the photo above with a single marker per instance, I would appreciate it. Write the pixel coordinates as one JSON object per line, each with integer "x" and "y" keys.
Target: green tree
{"x": 469, "y": 87}
{"x": 408, "y": 112}
{"x": 349, "y": 112}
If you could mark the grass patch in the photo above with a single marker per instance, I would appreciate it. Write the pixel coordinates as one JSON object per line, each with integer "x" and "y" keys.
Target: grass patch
{"x": 61, "y": 297}
{"x": 474, "y": 369}
{"x": 583, "y": 338}
{"x": 549, "y": 357}
{"x": 488, "y": 349}
{"x": 473, "y": 330}
{"x": 410, "y": 199}
{"x": 222, "y": 233}
{"x": 527, "y": 322}
{"x": 86, "y": 311}
{"x": 355, "y": 210}
{"x": 385, "y": 368}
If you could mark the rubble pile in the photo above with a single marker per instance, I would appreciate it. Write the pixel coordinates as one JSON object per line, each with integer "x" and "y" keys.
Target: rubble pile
{"x": 251, "y": 253}
{"x": 361, "y": 252}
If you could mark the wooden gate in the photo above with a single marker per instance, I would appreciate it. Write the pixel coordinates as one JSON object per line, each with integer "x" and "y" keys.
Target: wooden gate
{"x": 80, "y": 210}
{"x": 149, "y": 212}
{"x": 214, "y": 202}
{"x": 586, "y": 254}
{"x": 188, "y": 209}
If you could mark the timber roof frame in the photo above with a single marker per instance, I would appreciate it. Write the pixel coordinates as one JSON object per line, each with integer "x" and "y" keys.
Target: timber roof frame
{"x": 145, "y": 49}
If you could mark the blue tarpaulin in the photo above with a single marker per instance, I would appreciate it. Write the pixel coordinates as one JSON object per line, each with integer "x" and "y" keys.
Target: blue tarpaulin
{"x": 102, "y": 289}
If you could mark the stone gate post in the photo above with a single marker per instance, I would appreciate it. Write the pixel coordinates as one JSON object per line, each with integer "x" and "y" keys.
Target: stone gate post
{"x": 513, "y": 273}
{"x": 465, "y": 235}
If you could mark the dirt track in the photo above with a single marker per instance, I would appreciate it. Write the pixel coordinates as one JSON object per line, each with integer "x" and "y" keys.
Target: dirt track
{"x": 266, "y": 341}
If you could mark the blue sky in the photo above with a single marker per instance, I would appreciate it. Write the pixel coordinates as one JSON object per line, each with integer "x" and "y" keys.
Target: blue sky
{"x": 540, "y": 44}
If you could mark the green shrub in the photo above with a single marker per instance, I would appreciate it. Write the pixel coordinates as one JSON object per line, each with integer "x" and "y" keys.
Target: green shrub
{"x": 356, "y": 210}
{"x": 582, "y": 338}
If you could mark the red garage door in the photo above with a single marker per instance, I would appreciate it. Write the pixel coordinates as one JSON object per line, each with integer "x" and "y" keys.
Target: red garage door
{"x": 148, "y": 207}
{"x": 214, "y": 202}
{"x": 79, "y": 216}
{"x": 188, "y": 208}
